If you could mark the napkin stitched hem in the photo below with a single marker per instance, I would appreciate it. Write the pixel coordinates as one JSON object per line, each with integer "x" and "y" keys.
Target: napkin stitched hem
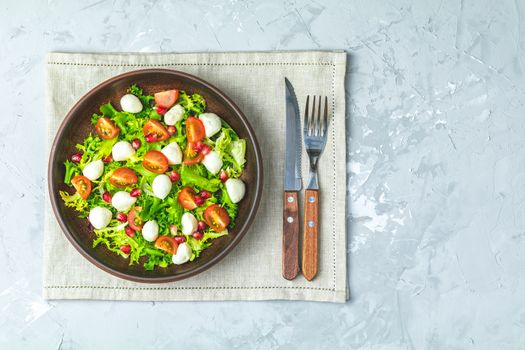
{"x": 196, "y": 287}
{"x": 333, "y": 185}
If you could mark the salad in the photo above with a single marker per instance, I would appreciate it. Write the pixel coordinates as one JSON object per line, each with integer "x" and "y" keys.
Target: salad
{"x": 158, "y": 180}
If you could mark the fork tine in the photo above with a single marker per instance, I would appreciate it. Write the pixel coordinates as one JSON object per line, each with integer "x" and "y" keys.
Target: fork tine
{"x": 318, "y": 119}
{"x": 305, "y": 125}
{"x": 325, "y": 119}
{"x": 311, "y": 127}
{"x": 322, "y": 121}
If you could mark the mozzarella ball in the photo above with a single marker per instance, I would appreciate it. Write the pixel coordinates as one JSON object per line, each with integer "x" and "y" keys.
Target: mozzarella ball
{"x": 161, "y": 186}
{"x": 130, "y": 103}
{"x": 122, "y": 150}
{"x": 212, "y": 123}
{"x": 189, "y": 223}
{"x": 99, "y": 217}
{"x": 236, "y": 189}
{"x": 212, "y": 162}
{"x": 122, "y": 201}
{"x": 94, "y": 170}
{"x": 150, "y": 231}
{"x": 173, "y": 153}
{"x": 175, "y": 114}
{"x": 183, "y": 254}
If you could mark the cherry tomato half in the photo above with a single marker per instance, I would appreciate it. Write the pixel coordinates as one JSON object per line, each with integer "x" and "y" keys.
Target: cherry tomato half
{"x": 134, "y": 221}
{"x": 106, "y": 129}
{"x": 192, "y": 155}
{"x": 123, "y": 177}
{"x": 216, "y": 217}
{"x": 83, "y": 185}
{"x": 154, "y": 127}
{"x": 166, "y": 99}
{"x": 187, "y": 198}
{"x": 156, "y": 162}
{"x": 167, "y": 244}
{"x": 195, "y": 131}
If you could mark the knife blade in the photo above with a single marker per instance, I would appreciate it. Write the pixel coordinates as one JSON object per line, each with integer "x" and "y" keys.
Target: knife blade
{"x": 292, "y": 160}
{"x": 292, "y": 184}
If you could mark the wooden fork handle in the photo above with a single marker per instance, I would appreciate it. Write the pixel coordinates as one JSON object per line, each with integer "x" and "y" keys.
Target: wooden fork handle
{"x": 290, "y": 236}
{"x": 310, "y": 233}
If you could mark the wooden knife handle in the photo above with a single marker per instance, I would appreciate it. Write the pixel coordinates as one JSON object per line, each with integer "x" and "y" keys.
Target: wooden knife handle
{"x": 290, "y": 236}
{"x": 310, "y": 233}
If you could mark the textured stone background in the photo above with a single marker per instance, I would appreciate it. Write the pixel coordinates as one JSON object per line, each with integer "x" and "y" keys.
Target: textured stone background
{"x": 436, "y": 132}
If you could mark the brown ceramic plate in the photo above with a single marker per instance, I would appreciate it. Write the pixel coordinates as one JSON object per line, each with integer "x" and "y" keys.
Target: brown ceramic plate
{"x": 76, "y": 126}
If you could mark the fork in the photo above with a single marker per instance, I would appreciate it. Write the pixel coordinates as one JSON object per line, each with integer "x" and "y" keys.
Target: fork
{"x": 314, "y": 134}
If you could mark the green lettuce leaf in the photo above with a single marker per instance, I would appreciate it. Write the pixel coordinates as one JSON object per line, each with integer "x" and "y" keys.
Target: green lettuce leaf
{"x": 114, "y": 237}
{"x": 230, "y": 207}
{"x": 74, "y": 201}
{"x": 71, "y": 170}
{"x": 194, "y": 104}
{"x": 237, "y": 150}
{"x": 190, "y": 177}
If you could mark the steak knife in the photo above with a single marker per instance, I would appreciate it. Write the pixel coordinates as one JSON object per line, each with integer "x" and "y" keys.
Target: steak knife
{"x": 292, "y": 184}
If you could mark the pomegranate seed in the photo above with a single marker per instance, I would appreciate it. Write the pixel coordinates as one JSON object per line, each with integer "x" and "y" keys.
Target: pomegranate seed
{"x": 172, "y": 130}
{"x": 223, "y": 176}
{"x": 201, "y": 226}
{"x": 180, "y": 239}
{"x": 198, "y": 146}
{"x": 130, "y": 232}
{"x": 107, "y": 159}
{"x": 122, "y": 217}
{"x": 135, "y": 192}
{"x": 199, "y": 200}
{"x": 151, "y": 138}
{"x": 136, "y": 144}
{"x": 205, "y": 194}
{"x": 197, "y": 235}
{"x": 126, "y": 249}
{"x": 205, "y": 149}
{"x": 173, "y": 229}
{"x": 161, "y": 110}
{"x": 174, "y": 176}
{"x": 76, "y": 158}
{"x": 106, "y": 197}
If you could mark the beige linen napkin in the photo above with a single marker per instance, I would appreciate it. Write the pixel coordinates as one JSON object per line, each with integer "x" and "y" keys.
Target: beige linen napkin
{"x": 252, "y": 271}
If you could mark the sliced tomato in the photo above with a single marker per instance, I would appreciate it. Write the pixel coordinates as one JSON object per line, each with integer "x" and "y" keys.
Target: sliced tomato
{"x": 134, "y": 221}
{"x": 167, "y": 244}
{"x": 83, "y": 185}
{"x": 123, "y": 177}
{"x": 216, "y": 217}
{"x": 167, "y": 98}
{"x": 106, "y": 128}
{"x": 154, "y": 127}
{"x": 191, "y": 154}
{"x": 195, "y": 130}
{"x": 156, "y": 162}
{"x": 187, "y": 198}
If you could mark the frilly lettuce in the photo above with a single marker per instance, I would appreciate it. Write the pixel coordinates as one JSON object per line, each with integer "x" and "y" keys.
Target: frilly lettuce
{"x": 194, "y": 104}
{"x": 74, "y": 201}
{"x": 71, "y": 170}
{"x": 94, "y": 148}
{"x": 232, "y": 151}
{"x": 197, "y": 246}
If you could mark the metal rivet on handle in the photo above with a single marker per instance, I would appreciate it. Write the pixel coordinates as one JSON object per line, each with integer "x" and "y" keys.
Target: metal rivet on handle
{"x": 311, "y": 199}
{"x": 311, "y": 223}
{"x": 290, "y": 199}
{"x": 289, "y": 219}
